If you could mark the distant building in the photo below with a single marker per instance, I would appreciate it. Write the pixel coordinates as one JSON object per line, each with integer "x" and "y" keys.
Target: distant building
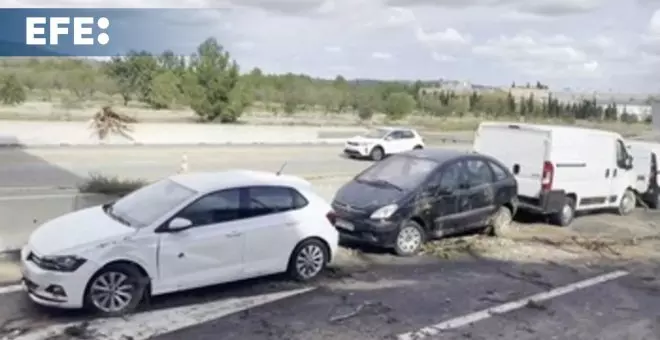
{"x": 523, "y": 93}
{"x": 629, "y": 104}
{"x": 458, "y": 87}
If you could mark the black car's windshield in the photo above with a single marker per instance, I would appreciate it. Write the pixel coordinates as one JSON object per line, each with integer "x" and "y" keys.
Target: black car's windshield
{"x": 398, "y": 172}
{"x": 146, "y": 205}
{"x": 376, "y": 133}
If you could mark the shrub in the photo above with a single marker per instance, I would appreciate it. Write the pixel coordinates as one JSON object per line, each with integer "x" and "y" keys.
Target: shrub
{"x": 100, "y": 184}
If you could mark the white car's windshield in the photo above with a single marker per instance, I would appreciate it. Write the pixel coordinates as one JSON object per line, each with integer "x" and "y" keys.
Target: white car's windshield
{"x": 376, "y": 133}
{"x": 399, "y": 172}
{"x": 145, "y": 205}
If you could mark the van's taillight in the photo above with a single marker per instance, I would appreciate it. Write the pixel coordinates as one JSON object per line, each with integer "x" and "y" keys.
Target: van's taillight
{"x": 548, "y": 174}
{"x": 332, "y": 217}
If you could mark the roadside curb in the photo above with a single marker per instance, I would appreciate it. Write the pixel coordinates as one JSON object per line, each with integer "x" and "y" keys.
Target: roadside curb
{"x": 10, "y": 272}
{"x": 74, "y": 191}
{"x": 328, "y": 141}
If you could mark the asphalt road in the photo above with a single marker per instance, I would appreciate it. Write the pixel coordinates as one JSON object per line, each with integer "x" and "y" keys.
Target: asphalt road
{"x": 380, "y": 297}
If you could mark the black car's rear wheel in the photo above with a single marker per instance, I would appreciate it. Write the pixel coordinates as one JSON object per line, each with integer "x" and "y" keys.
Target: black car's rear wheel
{"x": 501, "y": 223}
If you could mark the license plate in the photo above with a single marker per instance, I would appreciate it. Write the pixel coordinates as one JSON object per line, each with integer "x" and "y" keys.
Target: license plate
{"x": 344, "y": 225}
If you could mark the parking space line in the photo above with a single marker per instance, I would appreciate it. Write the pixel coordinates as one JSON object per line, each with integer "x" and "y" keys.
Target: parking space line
{"x": 508, "y": 307}
{"x": 146, "y": 325}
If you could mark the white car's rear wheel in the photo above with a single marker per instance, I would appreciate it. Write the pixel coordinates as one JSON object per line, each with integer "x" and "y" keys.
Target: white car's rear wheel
{"x": 308, "y": 260}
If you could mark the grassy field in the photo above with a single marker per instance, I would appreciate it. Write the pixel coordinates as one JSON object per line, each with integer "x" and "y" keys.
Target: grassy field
{"x": 66, "y": 109}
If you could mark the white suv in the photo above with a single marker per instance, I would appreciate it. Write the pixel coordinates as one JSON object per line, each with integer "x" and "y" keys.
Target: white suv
{"x": 380, "y": 142}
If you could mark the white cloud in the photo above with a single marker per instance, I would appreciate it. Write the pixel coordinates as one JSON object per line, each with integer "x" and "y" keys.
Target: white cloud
{"x": 246, "y": 45}
{"x": 537, "y": 7}
{"x": 401, "y": 16}
{"x": 654, "y": 23}
{"x": 536, "y": 55}
{"x": 570, "y": 43}
{"x": 446, "y": 36}
{"x": 442, "y": 57}
{"x": 381, "y": 55}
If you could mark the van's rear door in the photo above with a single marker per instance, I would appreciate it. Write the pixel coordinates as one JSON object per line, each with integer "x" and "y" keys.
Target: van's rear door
{"x": 641, "y": 155}
{"x": 521, "y": 148}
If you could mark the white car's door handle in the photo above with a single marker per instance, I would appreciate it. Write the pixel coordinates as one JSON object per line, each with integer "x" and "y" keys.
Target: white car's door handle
{"x": 234, "y": 234}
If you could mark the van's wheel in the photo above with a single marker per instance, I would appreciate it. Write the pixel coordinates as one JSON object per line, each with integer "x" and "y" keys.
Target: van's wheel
{"x": 308, "y": 260}
{"x": 654, "y": 202}
{"x": 377, "y": 153}
{"x": 501, "y": 222}
{"x": 566, "y": 215}
{"x": 418, "y": 147}
{"x": 628, "y": 203}
{"x": 115, "y": 290}
{"x": 410, "y": 239}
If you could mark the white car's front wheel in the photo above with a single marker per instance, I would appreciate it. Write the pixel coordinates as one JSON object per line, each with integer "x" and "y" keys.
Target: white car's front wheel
{"x": 116, "y": 289}
{"x": 308, "y": 260}
{"x": 377, "y": 153}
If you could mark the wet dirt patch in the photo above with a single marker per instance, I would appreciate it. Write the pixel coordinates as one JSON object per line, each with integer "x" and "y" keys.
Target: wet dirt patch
{"x": 591, "y": 238}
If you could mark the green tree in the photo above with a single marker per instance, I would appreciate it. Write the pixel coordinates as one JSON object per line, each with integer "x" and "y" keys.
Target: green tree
{"x": 165, "y": 90}
{"x": 511, "y": 103}
{"x": 119, "y": 71}
{"x": 12, "y": 91}
{"x": 398, "y": 105}
{"x": 213, "y": 84}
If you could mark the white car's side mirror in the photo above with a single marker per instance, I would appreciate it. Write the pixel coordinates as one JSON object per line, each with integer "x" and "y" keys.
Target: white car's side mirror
{"x": 179, "y": 224}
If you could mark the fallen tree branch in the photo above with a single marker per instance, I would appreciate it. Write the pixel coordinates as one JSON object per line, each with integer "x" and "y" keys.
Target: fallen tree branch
{"x": 358, "y": 310}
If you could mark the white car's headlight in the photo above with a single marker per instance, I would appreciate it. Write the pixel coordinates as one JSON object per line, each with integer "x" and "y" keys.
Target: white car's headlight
{"x": 58, "y": 263}
{"x": 384, "y": 212}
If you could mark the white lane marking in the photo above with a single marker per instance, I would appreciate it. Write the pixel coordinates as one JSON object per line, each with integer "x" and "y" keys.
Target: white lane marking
{"x": 10, "y": 289}
{"x": 508, "y": 307}
{"x": 149, "y": 324}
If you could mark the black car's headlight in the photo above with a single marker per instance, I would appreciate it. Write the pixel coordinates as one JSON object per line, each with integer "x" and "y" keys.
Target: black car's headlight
{"x": 68, "y": 263}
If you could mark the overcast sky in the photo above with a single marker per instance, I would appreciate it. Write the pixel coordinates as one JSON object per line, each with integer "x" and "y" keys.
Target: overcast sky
{"x": 582, "y": 44}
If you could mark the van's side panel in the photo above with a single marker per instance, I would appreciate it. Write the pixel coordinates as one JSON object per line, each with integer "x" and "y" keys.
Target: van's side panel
{"x": 523, "y": 149}
{"x": 581, "y": 160}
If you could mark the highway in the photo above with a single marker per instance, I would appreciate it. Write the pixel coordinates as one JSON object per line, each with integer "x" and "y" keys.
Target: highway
{"x": 65, "y": 167}
{"x": 367, "y": 294}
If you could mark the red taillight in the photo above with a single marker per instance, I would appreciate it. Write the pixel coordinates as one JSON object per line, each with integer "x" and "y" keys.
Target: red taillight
{"x": 548, "y": 174}
{"x": 332, "y": 217}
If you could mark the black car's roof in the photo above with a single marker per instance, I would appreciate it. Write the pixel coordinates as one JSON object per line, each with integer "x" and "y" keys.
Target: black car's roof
{"x": 438, "y": 155}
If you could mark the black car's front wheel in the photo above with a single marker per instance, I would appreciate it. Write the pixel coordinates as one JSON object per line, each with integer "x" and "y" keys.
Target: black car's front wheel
{"x": 409, "y": 239}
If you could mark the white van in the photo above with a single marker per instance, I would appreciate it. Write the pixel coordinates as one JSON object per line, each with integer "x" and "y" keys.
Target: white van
{"x": 561, "y": 169}
{"x": 645, "y": 165}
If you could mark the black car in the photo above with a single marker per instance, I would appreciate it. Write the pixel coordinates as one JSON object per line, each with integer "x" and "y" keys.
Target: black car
{"x": 415, "y": 196}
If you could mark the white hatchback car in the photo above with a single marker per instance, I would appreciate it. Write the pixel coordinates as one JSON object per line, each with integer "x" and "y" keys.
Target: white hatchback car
{"x": 380, "y": 142}
{"x": 187, "y": 231}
